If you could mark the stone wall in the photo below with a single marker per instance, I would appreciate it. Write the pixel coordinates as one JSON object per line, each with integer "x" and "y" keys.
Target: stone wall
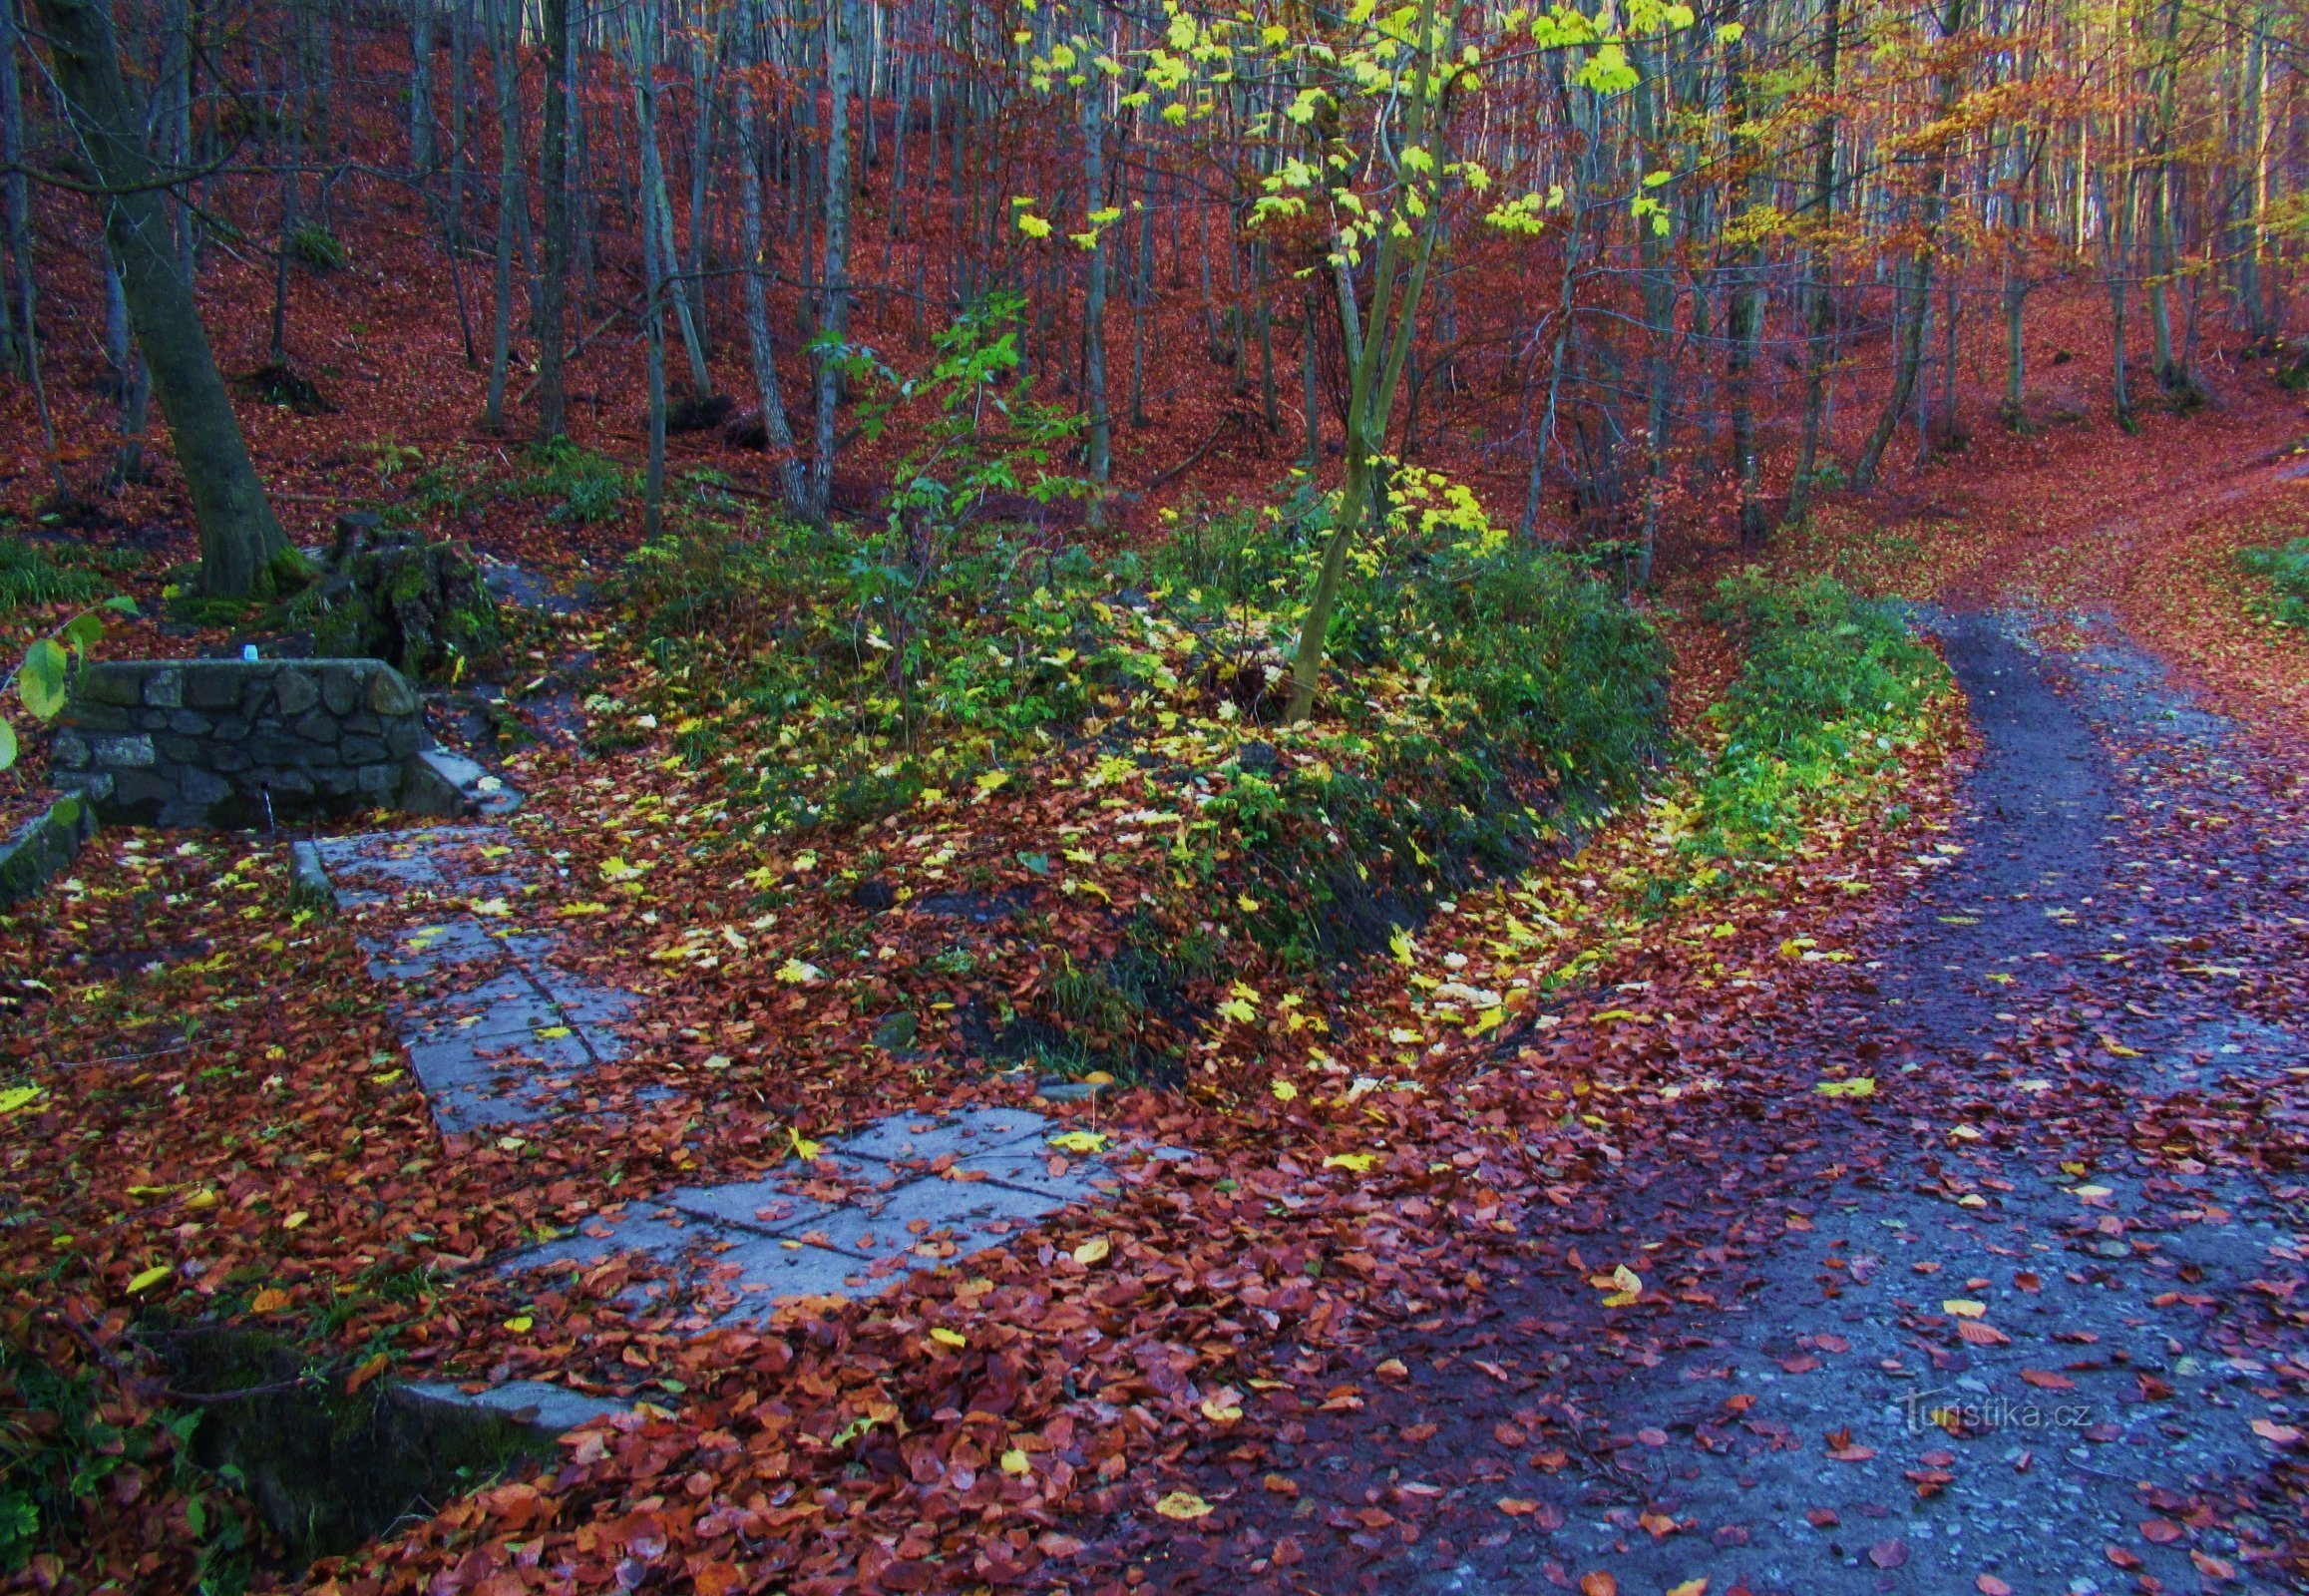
{"x": 200, "y": 742}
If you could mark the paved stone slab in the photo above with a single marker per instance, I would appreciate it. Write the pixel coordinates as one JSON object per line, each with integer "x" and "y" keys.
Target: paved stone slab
{"x": 927, "y": 1137}
{"x": 496, "y": 1030}
{"x": 760, "y": 1205}
{"x": 747, "y": 1245}
{"x": 932, "y": 1220}
{"x": 1028, "y": 1170}
{"x": 377, "y": 866}
{"x": 430, "y": 948}
{"x": 538, "y": 1404}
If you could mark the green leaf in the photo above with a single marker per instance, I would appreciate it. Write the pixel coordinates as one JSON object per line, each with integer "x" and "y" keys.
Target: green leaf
{"x": 65, "y": 809}
{"x": 84, "y": 630}
{"x": 41, "y": 680}
{"x": 120, "y": 603}
{"x": 7, "y": 745}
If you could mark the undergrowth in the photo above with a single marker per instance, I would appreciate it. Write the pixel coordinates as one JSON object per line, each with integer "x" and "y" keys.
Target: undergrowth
{"x": 2285, "y": 569}
{"x": 31, "y": 576}
{"x": 1833, "y": 692}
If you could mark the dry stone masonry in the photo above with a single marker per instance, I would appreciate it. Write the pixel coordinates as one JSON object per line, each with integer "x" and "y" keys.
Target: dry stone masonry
{"x": 205, "y": 742}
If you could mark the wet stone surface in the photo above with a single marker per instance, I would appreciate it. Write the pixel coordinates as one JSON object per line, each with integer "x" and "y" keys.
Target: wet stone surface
{"x": 908, "y": 1192}
{"x": 498, "y": 1032}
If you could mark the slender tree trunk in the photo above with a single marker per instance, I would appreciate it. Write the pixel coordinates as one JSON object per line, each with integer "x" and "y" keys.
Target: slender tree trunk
{"x": 552, "y": 162}
{"x": 240, "y": 542}
{"x": 777, "y": 435}
{"x": 15, "y": 206}
{"x": 834, "y": 312}
{"x": 1910, "y": 356}
{"x": 1099, "y": 439}
{"x": 505, "y": 34}
{"x": 2016, "y": 300}
{"x": 1743, "y": 321}
{"x": 1818, "y": 339}
{"x": 421, "y": 87}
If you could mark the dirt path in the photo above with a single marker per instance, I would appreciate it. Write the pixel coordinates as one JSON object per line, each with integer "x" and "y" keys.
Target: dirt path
{"x": 2012, "y": 1319}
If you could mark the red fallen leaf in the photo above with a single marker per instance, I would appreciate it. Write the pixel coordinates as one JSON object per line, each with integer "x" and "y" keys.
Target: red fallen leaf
{"x": 1801, "y": 1364}
{"x": 2120, "y": 1558}
{"x": 1742, "y": 1402}
{"x": 1509, "y": 1434}
{"x": 1375, "y": 1518}
{"x": 1652, "y": 1435}
{"x": 1658, "y": 1525}
{"x": 2047, "y": 1379}
{"x": 1929, "y": 1481}
{"x": 1841, "y": 1449}
{"x": 1287, "y": 1551}
{"x": 1517, "y": 1507}
{"x": 2027, "y": 1279}
{"x": 2213, "y": 1567}
{"x": 1822, "y": 1517}
{"x": 1990, "y": 1585}
{"x": 2153, "y": 1390}
{"x": 1888, "y": 1553}
{"x": 717, "y": 1578}
{"x": 1598, "y": 1583}
{"x": 1831, "y": 1343}
{"x": 2282, "y": 1434}
{"x": 1551, "y": 1459}
{"x": 1731, "y": 1535}
{"x": 2164, "y": 1531}
{"x": 1980, "y": 1335}
{"x": 1937, "y": 1459}
{"x": 366, "y": 1373}
{"x": 1417, "y": 1432}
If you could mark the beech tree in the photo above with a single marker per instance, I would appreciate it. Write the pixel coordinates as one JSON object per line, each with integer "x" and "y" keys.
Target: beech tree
{"x": 242, "y": 550}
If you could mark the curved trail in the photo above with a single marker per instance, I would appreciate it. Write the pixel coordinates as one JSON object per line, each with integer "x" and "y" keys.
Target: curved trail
{"x": 2008, "y": 1324}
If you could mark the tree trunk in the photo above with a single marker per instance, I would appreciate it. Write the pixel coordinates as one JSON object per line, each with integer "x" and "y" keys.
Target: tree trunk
{"x": 834, "y": 312}
{"x": 553, "y": 171}
{"x": 421, "y": 87}
{"x": 777, "y": 435}
{"x": 1816, "y": 341}
{"x": 1099, "y": 439}
{"x": 240, "y": 542}
{"x": 505, "y": 34}
{"x": 1911, "y": 338}
{"x": 1744, "y": 318}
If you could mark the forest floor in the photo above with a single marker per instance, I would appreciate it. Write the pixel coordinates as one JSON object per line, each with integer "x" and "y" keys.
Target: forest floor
{"x": 2008, "y": 1306}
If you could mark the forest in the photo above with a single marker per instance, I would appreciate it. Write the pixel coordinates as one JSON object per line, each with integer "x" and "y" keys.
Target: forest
{"x": 821, "y": 796}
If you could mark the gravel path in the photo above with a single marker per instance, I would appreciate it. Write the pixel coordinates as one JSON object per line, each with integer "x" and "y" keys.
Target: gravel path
{"x": 2009, "y": 1324}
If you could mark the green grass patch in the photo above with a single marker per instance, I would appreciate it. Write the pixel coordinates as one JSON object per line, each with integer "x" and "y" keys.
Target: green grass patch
{"x": 32, "y": 574}
{"x": 2285, "y": 569}
{"x": 1833, "y": 694}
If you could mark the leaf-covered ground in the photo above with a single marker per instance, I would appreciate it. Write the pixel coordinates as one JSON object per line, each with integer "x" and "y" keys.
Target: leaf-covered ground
{"x": 1470, "y": 1194}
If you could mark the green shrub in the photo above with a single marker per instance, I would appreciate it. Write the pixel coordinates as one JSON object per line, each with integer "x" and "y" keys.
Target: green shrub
{"x": 2286, "y": 570}
{"x": 316, "y": 247}
{"x": 585, "y": 486}
{"x": 1833, "y": 689}
{"x": 30, "y": 575}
